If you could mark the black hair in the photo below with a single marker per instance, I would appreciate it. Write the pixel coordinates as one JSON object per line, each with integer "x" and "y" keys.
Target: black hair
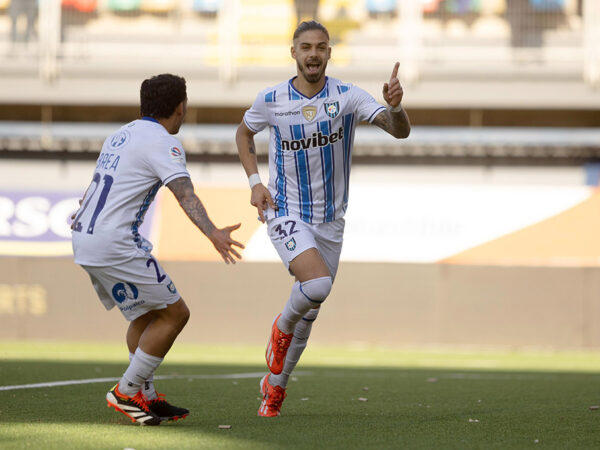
{"x": 160, "y": 95}
{"x": 310, "y": 25}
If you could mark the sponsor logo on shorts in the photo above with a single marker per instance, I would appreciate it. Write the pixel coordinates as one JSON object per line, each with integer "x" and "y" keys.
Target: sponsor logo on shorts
{"x": 124, "y": 291}
{"x": 171, "y": 287}
{"x": 176, "y": 154}
{"x": 133, "y": 305}
{"x": 332, "y": 109}
{"x": 291, "y": 244}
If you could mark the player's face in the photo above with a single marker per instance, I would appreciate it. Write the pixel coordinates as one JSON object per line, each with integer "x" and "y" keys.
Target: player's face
{"x": 311, "y": 51}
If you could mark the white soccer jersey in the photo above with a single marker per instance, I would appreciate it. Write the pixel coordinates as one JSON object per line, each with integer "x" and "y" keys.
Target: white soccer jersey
{"x": 310, "y": 146}
{"x": 133, "y": 164}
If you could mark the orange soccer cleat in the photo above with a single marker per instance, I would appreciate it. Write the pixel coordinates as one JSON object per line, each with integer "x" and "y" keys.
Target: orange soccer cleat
{"x": 273, "y": 397}
{"x": 277, "y": 348}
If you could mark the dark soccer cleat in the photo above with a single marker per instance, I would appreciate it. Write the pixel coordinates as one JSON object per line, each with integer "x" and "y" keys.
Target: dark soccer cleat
{"x": 165, "y": 410}
{"x": 133, "y": 407}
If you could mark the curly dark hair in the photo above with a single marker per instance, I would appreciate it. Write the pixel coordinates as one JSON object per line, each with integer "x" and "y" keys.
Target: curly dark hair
{"x": 310, "y": 25}
{"x": 160, "y": 95}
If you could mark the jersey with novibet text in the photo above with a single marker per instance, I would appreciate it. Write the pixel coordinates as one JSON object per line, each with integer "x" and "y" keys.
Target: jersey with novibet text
{"x": 133, "y": 164}
{"x": 310, "y": 146}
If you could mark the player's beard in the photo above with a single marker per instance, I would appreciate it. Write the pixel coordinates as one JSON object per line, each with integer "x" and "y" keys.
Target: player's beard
{"x": 312, "y": 77}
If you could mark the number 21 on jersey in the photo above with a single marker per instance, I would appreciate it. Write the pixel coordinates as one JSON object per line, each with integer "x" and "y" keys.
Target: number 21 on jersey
{"x": 108, "y": 181}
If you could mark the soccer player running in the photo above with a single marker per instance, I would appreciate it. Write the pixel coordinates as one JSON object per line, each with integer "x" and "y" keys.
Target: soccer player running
{"x": 312, "y": 119}
{"x": 133, "y": 164}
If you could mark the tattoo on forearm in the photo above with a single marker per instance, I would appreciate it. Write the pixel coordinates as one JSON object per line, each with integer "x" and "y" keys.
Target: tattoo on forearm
{"x": 251, "y": 147}
{"x": 183, "y": 190}
{"x": 397, "y": 124}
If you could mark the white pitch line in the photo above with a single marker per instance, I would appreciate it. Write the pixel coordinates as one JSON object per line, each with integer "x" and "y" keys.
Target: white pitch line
{"x": 229, "y": 376}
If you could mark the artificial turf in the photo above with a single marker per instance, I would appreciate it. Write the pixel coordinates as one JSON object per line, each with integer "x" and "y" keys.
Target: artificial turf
{"x": 426, "y": 399}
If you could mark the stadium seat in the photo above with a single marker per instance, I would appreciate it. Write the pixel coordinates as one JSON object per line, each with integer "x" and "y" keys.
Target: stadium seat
{"x": 547, "y": 5}
{"x": 124, "y": 5}
{"x": 158, "y": 6}
{"x": 207, "y": 6}
{"x": 86, "y": 6}
{"x": 381, "y": 6}
{"x": 430, "y": 6}
{"x": 463, "y": 6}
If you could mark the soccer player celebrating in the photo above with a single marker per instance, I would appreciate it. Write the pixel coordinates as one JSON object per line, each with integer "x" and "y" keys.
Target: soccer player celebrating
{"x": 312, "y": 119}
{"x": 133, "y": 164}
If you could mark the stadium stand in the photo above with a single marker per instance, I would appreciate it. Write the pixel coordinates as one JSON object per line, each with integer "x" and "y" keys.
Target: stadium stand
{"x": 458, "y": 56}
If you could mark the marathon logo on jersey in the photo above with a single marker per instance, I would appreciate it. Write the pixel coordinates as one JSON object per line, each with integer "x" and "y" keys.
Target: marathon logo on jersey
{"x": 291, "y": 244}
{"x": 315, "y": 140}
{"x": 176, "y": 154}
{"x": 287, "y": 113}
{"x": 124, "y": 291}
{"x": 332, "y": 109}
{"x": 309, "y": 112}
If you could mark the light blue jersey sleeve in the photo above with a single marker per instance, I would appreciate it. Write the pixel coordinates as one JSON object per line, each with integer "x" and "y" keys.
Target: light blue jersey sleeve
{"x": 365, "y": 105}
{"x": 256, "y": 118}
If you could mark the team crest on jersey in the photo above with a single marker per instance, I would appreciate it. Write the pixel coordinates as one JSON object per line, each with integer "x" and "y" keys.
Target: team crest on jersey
{"x": 309, "y": 112}
{"x": 120, "y": 139}
{"x": 291, "y": 244}
{"x": 176, "y": 154}
{"x": 332, "y": 109}
{"x": 171, "y": 287}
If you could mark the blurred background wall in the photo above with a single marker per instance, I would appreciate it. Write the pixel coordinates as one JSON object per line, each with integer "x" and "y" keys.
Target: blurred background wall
{"x": 480, "y": 229}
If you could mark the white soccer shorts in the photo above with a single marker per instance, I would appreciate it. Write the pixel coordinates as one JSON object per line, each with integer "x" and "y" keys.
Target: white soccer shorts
{"x": 291, "y": 237}
{"x": 135, "y": 287}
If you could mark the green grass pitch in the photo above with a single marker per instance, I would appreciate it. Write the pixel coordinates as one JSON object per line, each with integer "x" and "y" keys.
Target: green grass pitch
{"x": 416, "y": 399}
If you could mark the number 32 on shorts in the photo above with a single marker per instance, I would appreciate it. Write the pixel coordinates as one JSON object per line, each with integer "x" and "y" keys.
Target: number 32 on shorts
{"x": 281, "y": 228}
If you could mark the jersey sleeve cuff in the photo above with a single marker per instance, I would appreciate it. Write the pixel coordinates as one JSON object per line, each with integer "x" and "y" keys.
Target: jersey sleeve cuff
{"x": 375, "y": 113}
{"x": 175, "y": 175}
{"x": 251, "y": 128}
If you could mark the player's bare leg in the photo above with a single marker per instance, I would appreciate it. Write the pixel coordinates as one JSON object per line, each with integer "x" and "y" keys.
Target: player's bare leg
{"x": 309, "y": 265}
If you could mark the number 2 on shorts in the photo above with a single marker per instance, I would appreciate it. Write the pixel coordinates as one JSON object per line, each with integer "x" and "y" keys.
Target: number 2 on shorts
{"x": 159, "y": 277}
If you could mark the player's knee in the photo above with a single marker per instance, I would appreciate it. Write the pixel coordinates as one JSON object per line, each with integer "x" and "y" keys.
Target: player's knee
{"x": 317, "y": 289}
{"x": 181, "y": 314}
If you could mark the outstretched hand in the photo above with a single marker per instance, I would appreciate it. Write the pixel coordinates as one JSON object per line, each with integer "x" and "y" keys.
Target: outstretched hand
{"x": 261, "y": 199}
{"x": 392, "y": 90}
{"x": 221, "y": 239}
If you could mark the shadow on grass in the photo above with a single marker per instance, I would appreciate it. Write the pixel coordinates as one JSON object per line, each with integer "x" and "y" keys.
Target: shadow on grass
{"x": 325, "y": 408}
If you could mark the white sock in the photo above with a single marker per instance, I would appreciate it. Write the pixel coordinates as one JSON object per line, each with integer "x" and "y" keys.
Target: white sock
{"x": 304, "y": 297}
{"x": 301, "y": 334}
{"x": 148, "y": 389}
{"x": 141, "y": 367}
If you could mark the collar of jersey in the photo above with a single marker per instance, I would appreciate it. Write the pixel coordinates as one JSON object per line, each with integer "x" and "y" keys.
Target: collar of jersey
{"x": 150, "y": 119}
{"x": 300, "y": 93}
